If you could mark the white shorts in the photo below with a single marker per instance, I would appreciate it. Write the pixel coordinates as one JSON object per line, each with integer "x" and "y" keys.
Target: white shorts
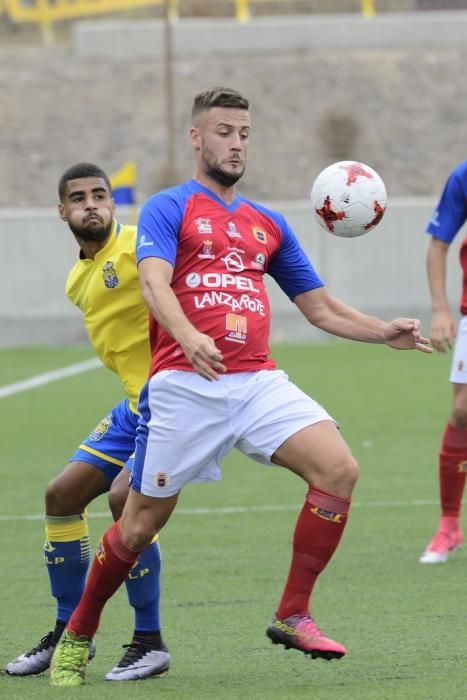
{"x": 459, "y": 359}
{"x": 189, "y": 424}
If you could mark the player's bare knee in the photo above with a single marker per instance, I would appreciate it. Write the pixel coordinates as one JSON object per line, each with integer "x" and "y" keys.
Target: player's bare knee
{"x": 138, "y": 535}
{"x": 56, "y": 498}
{"x": 343, "y": 476}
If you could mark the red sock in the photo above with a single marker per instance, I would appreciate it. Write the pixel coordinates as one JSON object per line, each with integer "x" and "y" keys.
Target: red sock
{"x": 452, "y": 470}
{"x": 317, "y": 533}
{"x": 110, "y": 567}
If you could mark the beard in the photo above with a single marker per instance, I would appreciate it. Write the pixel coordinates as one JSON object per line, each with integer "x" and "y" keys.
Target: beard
{"x": 92, "y": 234}
{"x": 222, "y": 177}
{"x": 215, "y": 172}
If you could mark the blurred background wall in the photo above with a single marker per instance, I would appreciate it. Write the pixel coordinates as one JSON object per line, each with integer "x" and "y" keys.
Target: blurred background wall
{"x": 326, "y": 81}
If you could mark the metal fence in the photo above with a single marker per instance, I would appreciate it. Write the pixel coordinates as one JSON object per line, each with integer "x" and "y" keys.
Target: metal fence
{"x": 44, "y": 13}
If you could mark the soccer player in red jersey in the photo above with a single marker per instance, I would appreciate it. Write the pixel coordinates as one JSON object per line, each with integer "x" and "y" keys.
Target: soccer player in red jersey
{"x": 447, "y": 220}
{"x": 203, "y": 251}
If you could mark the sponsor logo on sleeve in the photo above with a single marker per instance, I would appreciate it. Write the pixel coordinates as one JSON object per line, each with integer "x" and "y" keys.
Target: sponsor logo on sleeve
{"x": 434, "y": 221}
{"x": 143, "y": 242}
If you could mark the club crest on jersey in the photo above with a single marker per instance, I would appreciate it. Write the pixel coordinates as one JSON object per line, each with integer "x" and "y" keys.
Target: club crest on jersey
{"x": 232, "y": 231}
{"x": 236, "y": 327}
{"x": 109, "y": 274}
{"x": 100, "y": 429}
{"x": 258, "y": 262}
{"x": 161, "y": 479}
{"x": 326, "y": 514}
{"x": 206, "y": 251}
{"x": 203, "y": 225}
{"x": 260, "y": 235}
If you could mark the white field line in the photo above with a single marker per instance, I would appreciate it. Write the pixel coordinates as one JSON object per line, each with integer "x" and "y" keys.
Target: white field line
{"x": 47, "y": 377}
{"x": 234, "y": 510}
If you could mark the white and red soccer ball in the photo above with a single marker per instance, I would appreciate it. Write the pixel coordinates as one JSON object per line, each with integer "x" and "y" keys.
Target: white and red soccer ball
{"x": 348, "y": 198}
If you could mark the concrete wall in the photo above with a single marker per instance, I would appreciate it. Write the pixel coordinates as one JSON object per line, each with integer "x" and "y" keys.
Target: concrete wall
{"x": 124, "y": 39}
{"x": 381, "y": 273}
{"x": 389, "y": 92}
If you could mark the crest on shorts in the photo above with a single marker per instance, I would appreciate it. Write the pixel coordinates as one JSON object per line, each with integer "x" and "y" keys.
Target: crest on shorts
{"x": 109, "y": 274}
{"x": 100, "y": 429}
{"x": 460, "y": 366}
{"x": 161, "y": 479}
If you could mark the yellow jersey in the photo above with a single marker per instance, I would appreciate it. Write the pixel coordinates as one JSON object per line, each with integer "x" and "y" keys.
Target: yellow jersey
{"x": 107, "y": 290}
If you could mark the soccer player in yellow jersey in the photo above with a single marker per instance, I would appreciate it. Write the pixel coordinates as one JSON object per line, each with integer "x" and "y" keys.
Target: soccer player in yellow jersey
{"x": 104, "y": 284}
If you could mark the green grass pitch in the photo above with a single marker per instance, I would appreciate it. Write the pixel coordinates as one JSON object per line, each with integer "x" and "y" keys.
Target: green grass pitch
{"x": 226, "y": 550}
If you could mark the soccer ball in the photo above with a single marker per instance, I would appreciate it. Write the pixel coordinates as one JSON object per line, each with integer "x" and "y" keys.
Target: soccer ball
{"x": 348, "y": 198}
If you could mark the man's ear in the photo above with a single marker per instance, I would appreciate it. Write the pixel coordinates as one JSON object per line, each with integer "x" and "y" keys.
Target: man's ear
{"x": 195, "y": 138}
{"x": 61, "y": 212}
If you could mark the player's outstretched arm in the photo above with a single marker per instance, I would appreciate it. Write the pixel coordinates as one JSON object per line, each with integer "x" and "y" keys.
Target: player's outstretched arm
{"x": 155, "y": 276}
{"x": 333, "y": 316}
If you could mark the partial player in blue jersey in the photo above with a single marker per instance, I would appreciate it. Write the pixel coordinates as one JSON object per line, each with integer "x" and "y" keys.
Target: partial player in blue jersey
{"x": 104, "y": 285}
{"x": 446, "y": 222}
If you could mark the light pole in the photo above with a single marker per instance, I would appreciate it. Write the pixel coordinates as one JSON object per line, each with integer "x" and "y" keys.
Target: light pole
{"x": 169, "y": 169}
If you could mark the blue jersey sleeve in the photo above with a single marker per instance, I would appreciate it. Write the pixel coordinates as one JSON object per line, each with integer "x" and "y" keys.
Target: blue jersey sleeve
{"x": 290, "y": 266}
{"x": 451, "y": 212}
{"x": 158, "y": 227}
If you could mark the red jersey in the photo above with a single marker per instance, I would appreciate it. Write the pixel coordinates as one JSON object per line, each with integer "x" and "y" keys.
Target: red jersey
{"x": 220, "y": 254}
